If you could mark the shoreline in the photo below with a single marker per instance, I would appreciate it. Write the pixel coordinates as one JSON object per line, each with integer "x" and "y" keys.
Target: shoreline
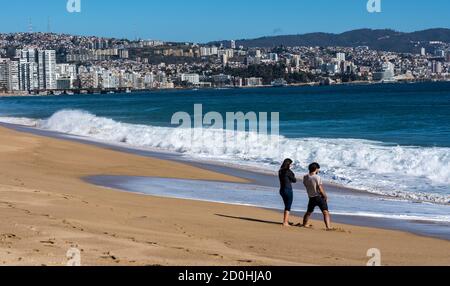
{"x": 258, "y": 177}
{"x": 49, "y": 209}
{"x": 296, "y": 85}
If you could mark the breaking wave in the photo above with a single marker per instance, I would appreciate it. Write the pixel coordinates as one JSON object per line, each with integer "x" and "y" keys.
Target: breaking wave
{"x": 410, "y": 173}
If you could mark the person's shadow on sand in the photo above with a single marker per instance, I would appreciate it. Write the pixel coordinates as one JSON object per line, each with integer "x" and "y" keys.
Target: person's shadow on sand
{"x": 249, "y": 219}
{"x": 278, "y": 223}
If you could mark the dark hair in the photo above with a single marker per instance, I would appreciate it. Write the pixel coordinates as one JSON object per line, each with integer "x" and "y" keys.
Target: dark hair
{"x": 313, "y": 167}
{"x": 286, "y": 164}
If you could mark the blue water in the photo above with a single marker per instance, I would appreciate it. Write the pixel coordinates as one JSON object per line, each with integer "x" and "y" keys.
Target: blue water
{"x": 391, "y": 139}
{"x": 406, "y": 114}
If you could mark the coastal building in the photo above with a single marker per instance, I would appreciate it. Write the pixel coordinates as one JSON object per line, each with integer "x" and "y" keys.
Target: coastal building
{"x": 318, "y": 62}
{"x": 331, "y": 68}
{"x": 253, "y": 81}
{"x": 228, "y": 52}
{"x": 280, "y": 82}
{"x": 273, "y": 57}
{"x": 108, "y": 79}
{"x": 233, "y": 44}
{"x": 224, "y": 60}
{"x": 208, "y": 51}
{"x": 28, "y": 70}
{"x": 47, "y": 69}
{"x": 64, "y": 72}
{"x": 151, "y": 43}
{"x": 28, "y": 79}
{"x": 204, "y": 51}
{"x": 436, "y": 67}
{"x": 166, "y": 85}
{"x": 13, "y": 79}
{"x": 124, "y": 54}
{"x": 37, "y": 69}
{"x": 423, "y": 52}
{"x": 149, "y": 80}
{"x": 296, "y": 60}
{"x": 99, "y": 44}
{"x": 340, "y": 57}
{"x": 88, "y": 80}
{"x": 348, "y": 67}
{"x": 63, "y": 83}
{"x": 439, "y": 53}
{"x": 221, "y": 79}
{"x": 4, "y": 74}
{"x": 252, "y": 61}
{"x": 238, "y": 82}
{"x": 191, "y": 78}
{"x": 386, "y": 73}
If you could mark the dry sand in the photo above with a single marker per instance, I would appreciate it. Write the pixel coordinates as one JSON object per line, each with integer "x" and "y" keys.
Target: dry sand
{"x": 46, "y": 209}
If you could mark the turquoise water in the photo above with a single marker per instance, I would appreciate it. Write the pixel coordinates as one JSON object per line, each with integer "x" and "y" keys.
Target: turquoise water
{"x": 391, "y": 139}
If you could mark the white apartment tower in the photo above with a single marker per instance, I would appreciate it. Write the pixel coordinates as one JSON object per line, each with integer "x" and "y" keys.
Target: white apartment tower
{"x": 47, "y": 69}
{"x": 423, "y": 52}
{"x": 9, "y": 75}
{"x": 340, "y": 57}
{"x": 13, "y": 83}
{"x": 4, "y": 75}
{"x": 37, "y": 69}
{"x": 233, "y": 44}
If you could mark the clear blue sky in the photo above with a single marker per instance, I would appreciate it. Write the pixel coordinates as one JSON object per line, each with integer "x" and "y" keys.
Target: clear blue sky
{"x": 207, "y": 20}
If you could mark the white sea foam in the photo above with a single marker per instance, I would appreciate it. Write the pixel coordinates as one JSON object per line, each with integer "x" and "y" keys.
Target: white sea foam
{"x": 397, "y": 171}
{"x": 19, "y": 121}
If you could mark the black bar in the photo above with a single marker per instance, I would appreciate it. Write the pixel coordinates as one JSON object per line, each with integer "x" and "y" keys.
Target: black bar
{"x": 225, "y": 275}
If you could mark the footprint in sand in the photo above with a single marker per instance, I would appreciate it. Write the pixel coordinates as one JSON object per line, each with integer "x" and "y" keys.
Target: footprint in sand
{"x": 49, "y": 242}
{"x": 71, "y": 225}
{"x": 8, "y": 238}
{"x": 216, "y": 255}
{"x": 245, "y": 261}
{"x": 109, "y": 255}
{"x": 341, "y": 230}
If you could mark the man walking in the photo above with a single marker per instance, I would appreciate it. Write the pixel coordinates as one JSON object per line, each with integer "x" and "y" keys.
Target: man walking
{"x": 317, "y": 195}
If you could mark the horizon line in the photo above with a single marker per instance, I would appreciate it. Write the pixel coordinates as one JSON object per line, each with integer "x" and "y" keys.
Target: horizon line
{"x": 223, "y": 40}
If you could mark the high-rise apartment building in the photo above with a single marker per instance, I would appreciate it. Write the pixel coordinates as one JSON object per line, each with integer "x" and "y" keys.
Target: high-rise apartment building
{"x": 37, "y": 69}
{"x": 47, "y": 62}
{"x": 436, "y": 67}
{"x": 9, "y": 75}
{"x": 423, "y": 52}
{"x": 4, "y": 76}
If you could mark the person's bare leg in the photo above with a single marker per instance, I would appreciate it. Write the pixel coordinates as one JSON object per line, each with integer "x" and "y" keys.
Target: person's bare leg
{"x": 306, "y": 219}
{"x": 327, "y": 219}
{"x": 286, "y": 218}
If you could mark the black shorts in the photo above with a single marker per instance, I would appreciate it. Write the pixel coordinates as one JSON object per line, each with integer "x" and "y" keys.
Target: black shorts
{"x": 317, "y": 202}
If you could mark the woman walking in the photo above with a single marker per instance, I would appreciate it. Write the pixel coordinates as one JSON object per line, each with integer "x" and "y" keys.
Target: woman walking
{"x": 287, "y": 177}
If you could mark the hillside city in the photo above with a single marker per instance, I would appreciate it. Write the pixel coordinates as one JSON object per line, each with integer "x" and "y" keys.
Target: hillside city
{"x": 46, "y": 63}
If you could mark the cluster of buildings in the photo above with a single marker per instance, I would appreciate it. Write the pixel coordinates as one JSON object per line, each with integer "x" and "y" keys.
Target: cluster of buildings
{"x": 42, "y": 63}
{"x": 30, "y": 70}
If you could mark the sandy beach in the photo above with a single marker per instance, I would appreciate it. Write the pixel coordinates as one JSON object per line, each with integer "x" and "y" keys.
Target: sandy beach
{"x": 47, "y": 208}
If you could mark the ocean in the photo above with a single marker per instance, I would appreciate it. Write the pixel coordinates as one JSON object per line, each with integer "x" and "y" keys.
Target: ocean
{"x": 391, "y": 139}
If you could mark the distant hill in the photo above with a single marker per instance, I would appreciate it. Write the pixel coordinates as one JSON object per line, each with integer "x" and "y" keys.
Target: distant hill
{"x": 385, "y": 40}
